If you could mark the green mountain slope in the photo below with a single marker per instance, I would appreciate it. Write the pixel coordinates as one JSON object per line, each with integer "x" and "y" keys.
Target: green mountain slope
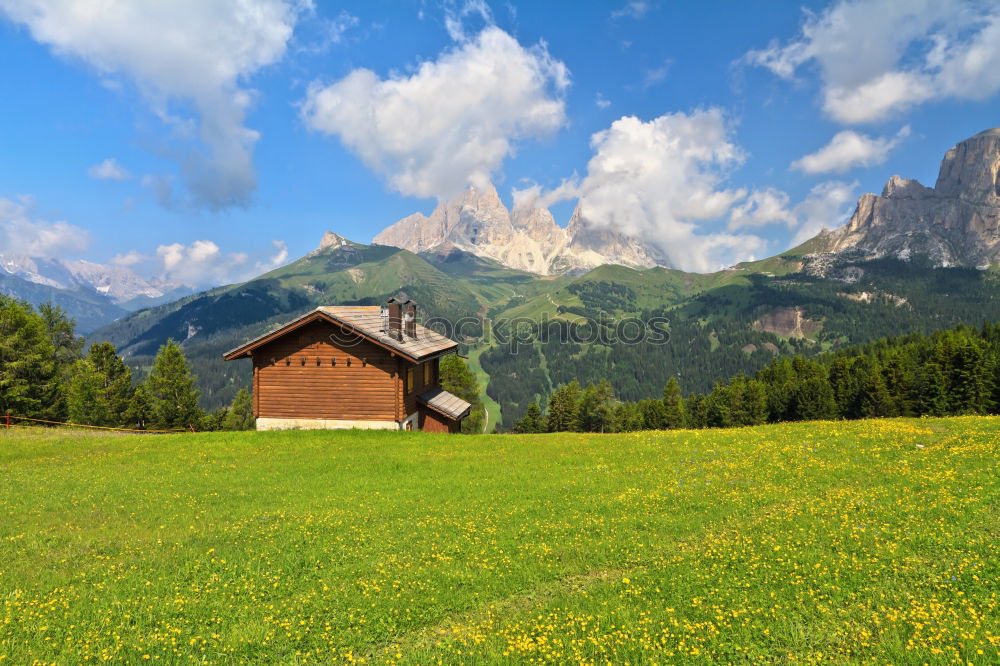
{"x": 718, "y": 324}
{"x": 214, "y": 321}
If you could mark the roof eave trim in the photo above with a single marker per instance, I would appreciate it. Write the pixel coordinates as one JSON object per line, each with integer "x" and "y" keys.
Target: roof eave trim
{"x": 248, "y": 347}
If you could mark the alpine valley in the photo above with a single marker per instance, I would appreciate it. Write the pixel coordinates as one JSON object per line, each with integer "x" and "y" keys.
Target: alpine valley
{"x": 913, "y": 259}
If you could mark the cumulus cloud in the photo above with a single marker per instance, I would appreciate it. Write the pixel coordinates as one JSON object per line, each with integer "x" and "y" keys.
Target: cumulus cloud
{"x": 849, "y": 149}
{"x": 827, "y": 206}
{"x": 109, "y": 169}
{"x": 663, "y": 181}
{"x": 458, "y": 14}
{"x": 22, "y": 233}
{"x": 193, "y": 53}
{"x": 199, "y": 264}
{"x": 450, "y": 123}
{"x": 880, "y": 57}
{"x": 204, "y": 264}
{"x": 760, "y": 208}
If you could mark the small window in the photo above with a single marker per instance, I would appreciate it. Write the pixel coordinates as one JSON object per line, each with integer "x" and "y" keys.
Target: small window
{"x": 409, "y": 379}
{"x": 428, "y": 374}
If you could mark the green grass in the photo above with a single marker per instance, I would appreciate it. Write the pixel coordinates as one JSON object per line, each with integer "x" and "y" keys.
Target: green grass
{"x": 864, "y": 542}
{"x": 494, "y": 415}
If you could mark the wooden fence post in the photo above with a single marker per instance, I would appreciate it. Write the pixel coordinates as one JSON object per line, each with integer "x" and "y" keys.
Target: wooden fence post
{"x": 8, "y": 420}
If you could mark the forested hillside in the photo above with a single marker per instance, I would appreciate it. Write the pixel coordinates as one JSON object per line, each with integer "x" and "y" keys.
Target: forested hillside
{"x": 719, "y": 324}
{"x": 951, "y": 372}
{"x": 736, "y": 327}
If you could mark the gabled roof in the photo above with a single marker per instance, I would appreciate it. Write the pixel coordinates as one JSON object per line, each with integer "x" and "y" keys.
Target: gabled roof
{"x": 445, "y": 403}
{"x": 366, "y": 321}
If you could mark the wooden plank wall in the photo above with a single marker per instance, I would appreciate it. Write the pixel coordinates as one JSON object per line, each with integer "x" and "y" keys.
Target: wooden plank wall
{"x": 410, "y": 398}
{"x": 297, "y": 378}
{"x": 431, "y": 421}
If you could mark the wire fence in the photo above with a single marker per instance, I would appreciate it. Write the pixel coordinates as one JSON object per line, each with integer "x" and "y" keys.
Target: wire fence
{"x": 10, "y": 419}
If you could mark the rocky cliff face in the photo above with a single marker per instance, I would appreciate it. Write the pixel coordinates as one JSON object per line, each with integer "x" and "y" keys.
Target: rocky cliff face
{"x": 526, "y": 238}
{"x": 955, "y": 223}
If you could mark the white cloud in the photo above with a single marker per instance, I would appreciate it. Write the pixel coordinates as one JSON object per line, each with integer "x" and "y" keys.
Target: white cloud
{"x": 22, "y": 233}
{"x": 635, "y": 9}
{"x": 877, "y": 58}
{"x": 338, "y": 26}
{"x": 200, "y": 264}
{"x": 662, "y": 181}
{"x": 109, "y": 169}
{"x": 453, "y": 121}
{"x": 652, "y": 77}
{"x": 129, "y": 259}
{"x": 601, "y": 101}
{"x": 188, "y": 52}
{"x": 827, "y": 206}
{"x": 458, "y": 13}
{"x": 276, "y": 260}
{"x": 761, "y": 207}
{"x": 849, "y": 149}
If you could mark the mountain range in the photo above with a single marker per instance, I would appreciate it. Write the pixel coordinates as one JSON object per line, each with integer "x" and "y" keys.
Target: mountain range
{"x": 913, "y": 259}
{"x": 526, "y": 238}
{"x": 93, "y": 294}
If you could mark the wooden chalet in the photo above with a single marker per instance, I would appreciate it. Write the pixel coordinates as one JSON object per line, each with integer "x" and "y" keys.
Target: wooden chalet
{"x": 352, "y": 367}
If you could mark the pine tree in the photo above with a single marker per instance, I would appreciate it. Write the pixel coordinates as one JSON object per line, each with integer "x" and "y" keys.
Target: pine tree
{"x": 696, "y": 411}
{"x": 813, "y": 399}
{"x": 933, "y": 390}
{"x": 875, "y": 398}
{"x": 115, "y": 382}
{"x": 564, "y": 409}
{"x": 140, "y": 409}
{"x": 597, "y": 407}
{"x": 29, "y": 379}
{"x": 628, "y": 416}
{"x": 754, "y": 403}
{"x": 173, "y": 396}
{"x": 457, "y": 379}
{"x": 240, "y": 413}
{"x": 717, "y": 407}
{"x": 673, "y": 404}
{"x": 66, "y": 348}
{"x": 85, "y": 401}
{"x": 532, "y": 421}
{"x": 654, "y": 414}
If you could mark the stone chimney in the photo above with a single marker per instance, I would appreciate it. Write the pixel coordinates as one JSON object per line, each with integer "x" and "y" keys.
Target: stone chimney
{"x": 395, "y": 318}
{"x": 410, "y": 319}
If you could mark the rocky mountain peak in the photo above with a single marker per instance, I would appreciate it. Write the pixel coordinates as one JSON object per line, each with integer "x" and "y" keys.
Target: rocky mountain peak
{"x": 971, "y": 170}
{"x": 526, "y": 238}
{"x": 331, "y": 239}
{"x": 955, "y": 223}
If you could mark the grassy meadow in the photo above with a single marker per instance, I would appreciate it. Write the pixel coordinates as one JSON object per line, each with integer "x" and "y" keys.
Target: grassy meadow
{"x": 847, "y": 542}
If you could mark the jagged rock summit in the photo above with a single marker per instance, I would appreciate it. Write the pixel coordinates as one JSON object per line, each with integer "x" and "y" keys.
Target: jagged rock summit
{"x": 526, "y": 238}
{"x": 955, "y": 223}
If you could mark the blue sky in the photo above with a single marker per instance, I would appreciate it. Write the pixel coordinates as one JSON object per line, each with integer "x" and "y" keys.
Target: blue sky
{"x": 205, "y": 144}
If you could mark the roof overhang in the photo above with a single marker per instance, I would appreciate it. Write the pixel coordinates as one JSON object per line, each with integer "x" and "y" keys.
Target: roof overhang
{"x": 451, "y": 415}
{"x": 246, "y": 350}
